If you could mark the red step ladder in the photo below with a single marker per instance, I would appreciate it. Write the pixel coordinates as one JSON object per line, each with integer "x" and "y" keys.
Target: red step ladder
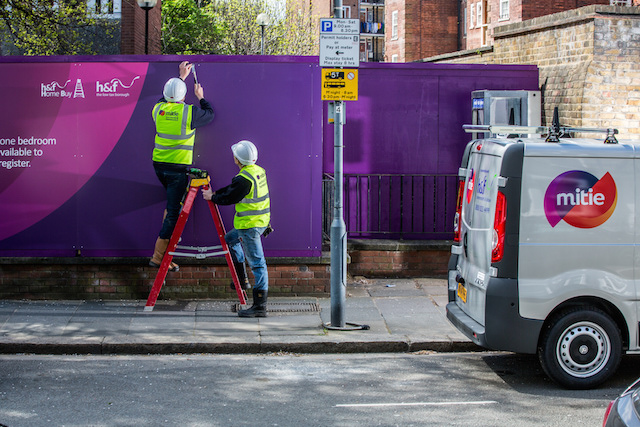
{"x": 200, "y": 180}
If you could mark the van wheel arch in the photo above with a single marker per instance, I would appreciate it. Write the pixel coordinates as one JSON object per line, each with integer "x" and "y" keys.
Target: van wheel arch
{"x": 586, "y": 303}
{"x": 580, "y": 346}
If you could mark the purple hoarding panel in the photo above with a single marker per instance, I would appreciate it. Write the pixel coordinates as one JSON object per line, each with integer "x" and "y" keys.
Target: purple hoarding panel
{"x": 88, "y": 183}
{"x": 403, "y": 142}
{"x": 408, "y": 118}
{"x": 75, "y": 146}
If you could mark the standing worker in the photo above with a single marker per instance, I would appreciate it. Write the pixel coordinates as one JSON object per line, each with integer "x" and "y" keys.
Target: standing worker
{"x": 173, "y": 150}
{"x": 249, "y": 192}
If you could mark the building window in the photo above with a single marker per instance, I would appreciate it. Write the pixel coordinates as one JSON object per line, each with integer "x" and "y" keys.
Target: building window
{"x": 394, "y": 24}
{"x": 504, "y": 10}
{"x": 394, "y": 57}
{"x": 472, "y": 15}
{"x": 479, "y": 20}
{"x": 104, "y": 6}
{"x": 109, "y": 8}
{"x": 464, "y": 20}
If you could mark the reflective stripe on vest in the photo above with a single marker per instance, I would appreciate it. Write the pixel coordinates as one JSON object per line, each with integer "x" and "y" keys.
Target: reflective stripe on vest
{"x": 254, "y": 210}
{"x": 174, "y": 135}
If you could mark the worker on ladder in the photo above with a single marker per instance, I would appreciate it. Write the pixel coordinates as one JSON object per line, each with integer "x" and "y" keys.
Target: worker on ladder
{"x": 249, "y": 193}
{"x": 173, "y": 150}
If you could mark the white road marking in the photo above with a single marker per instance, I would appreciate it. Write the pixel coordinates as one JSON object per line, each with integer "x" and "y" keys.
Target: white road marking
{"x": 361, "y": 405}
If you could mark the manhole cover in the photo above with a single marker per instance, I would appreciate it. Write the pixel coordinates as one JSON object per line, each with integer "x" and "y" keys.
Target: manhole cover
{"x": 168, "y": 305}
{"x": 286, "y": 307}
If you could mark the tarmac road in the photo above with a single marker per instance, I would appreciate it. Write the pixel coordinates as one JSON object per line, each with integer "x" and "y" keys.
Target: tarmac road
{"x": 282, "y": 389}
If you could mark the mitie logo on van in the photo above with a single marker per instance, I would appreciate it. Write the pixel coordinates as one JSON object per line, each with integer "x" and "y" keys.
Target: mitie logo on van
{"x": 580, "y": 199}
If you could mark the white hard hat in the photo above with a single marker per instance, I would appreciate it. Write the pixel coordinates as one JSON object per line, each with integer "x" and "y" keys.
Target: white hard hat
{"x": 245, "y": 152}
{"x": 175, "y": 90}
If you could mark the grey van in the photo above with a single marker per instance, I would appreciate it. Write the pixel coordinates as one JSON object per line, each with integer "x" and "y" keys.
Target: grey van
{"x": 545, "y": 253}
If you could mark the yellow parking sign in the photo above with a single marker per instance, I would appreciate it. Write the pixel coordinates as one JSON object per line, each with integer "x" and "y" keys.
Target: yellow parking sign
{"x": 339, "y": 84}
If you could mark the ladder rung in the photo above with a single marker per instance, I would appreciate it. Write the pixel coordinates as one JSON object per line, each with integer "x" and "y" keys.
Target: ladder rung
{"x": 199, "y": 248}
{"x": 199, "y": 255}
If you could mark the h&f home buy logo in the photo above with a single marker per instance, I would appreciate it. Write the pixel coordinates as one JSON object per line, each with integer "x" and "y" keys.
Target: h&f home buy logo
{"x": 580, "y": 199}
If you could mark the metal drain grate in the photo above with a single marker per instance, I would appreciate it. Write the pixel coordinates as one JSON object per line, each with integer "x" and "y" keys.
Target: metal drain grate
{"x": 286, "y": 307}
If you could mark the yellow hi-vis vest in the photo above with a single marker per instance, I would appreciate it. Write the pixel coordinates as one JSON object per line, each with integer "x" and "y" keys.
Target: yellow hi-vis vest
{"x": 174, "y": 135}
{"x": 254, "y": 209}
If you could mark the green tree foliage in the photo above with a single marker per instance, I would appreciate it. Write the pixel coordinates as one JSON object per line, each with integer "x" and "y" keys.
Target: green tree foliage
{"x": 48, "y": 27}
{"x": 228, "y": 27}
{"x": 297, "y": 33}
{"x": 241, "y": 33}
{"x": 189, "y": 27}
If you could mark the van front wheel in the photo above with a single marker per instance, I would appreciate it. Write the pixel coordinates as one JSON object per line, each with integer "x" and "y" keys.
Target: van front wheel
{"x": 580, "y": 348}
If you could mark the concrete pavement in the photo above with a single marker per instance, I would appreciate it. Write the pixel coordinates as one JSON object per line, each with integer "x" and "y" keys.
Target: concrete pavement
{"x": 402, "y": 315}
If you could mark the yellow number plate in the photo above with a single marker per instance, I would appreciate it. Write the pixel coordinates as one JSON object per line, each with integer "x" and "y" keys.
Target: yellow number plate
{"x": 462, "y": 293}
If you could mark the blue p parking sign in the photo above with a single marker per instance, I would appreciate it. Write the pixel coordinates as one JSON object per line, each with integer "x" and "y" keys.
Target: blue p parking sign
{"x": 339, "y": 43}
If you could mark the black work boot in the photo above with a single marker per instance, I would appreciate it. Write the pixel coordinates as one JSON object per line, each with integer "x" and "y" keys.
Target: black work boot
{"x": 241, "y": 270}
{"x": 259, "y": 307}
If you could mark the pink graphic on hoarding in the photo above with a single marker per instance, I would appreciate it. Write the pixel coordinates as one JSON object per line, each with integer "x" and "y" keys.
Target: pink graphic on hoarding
{"x": 79, "y": 112}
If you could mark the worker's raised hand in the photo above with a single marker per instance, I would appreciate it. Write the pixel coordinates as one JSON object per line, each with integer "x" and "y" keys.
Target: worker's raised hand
{"x": 198, "y": 91}
{"x": 185, "y": 69}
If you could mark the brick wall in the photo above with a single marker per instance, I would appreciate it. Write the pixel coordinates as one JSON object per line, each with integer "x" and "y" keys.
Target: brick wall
{"x": 424, "y": 28}
{"x": 130, "y": 278}
{"x": 535, "y": 8}
{"x": 413, "y": 29}
{"x": 438, "y": 28}
{"x": 611, "y": 96}
{"x": 394, "y": 45}
{"x": 587, "y": 59}
{"x": 133, "y": 29}
{"x": 399, "y": 259}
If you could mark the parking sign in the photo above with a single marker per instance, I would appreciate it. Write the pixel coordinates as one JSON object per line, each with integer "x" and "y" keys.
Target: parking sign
{"x": 339, "y": 42}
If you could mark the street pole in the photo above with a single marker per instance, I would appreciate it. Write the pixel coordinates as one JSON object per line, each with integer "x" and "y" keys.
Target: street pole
{"x": 146, "y": 32}
{"x": 332, "y": 36}
{"x": 146, "y": 5}
{"x": 338, "y": 227}
{"x": 263, "y": 20}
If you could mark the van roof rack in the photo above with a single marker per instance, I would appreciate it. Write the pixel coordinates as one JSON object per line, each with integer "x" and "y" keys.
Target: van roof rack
{"x": 553, "y": 132}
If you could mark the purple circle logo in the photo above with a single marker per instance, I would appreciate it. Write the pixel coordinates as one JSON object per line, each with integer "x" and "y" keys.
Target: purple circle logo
{"x": 580, "y": 199}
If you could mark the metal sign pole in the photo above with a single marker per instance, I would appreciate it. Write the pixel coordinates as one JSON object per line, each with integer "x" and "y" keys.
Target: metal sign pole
{"x": 338, "y": 227}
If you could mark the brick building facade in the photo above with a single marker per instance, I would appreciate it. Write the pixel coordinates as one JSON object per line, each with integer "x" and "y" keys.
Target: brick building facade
{"x": 479, "y": 18}
{"x": 417, "y": 29}
{"x": 587, "y": 59}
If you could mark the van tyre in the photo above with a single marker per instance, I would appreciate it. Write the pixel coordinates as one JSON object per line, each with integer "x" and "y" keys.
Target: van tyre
{"x": 580, "y": 348}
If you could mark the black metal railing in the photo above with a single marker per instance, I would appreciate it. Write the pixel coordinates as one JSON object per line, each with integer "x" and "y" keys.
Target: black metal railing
{"x": 394, "y": 206}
